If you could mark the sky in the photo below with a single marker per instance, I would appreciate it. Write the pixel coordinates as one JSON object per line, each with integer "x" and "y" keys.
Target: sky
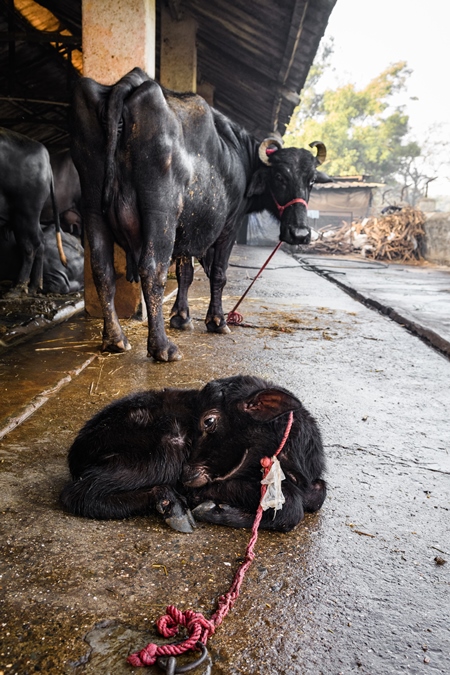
{"x": 369, "y": 35}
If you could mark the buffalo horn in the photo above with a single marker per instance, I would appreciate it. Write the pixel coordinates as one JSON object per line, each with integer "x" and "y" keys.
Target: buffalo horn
{"x": 321, "y": 151}
{"x": 263, "y": 147}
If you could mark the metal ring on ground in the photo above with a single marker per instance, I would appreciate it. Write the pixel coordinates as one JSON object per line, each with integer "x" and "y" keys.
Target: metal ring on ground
{"x": 167, "y": 662}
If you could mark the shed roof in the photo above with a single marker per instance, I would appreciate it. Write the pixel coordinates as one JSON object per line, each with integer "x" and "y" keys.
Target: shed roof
{"x": 347, "y": 185}
{"x": 255, "y": 54}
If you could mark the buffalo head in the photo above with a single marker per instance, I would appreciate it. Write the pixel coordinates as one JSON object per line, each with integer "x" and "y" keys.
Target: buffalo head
{"x": 284, "y": 184}
{"x": 235, "y": 429}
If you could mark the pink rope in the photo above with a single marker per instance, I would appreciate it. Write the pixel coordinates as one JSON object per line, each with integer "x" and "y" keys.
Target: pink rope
{"x": 280, "y": 208}
{"x": 198, "y": 627}
{"x": 234, "y": 318}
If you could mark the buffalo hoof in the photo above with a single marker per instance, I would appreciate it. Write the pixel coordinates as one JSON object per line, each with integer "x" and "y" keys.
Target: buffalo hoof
{"x": 170, "y": 353}
{"x": 178, "y": 322}
{"x": 182, "y": 523}
{"x": 16, "y": 292}
{"x": 217, "y": 325}
{"x": 210, "y": 512}
{"x": 203, "y": 509}
{"x": 176, "y": 516}
{"x": 116, "y": 347}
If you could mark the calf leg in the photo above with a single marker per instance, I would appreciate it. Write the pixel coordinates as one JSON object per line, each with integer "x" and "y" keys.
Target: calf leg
{"x": 314, "y": 496}
{"x": 107, "y": 495}
{"x": 179, "y": 316}
{"x": 234, "y": 503}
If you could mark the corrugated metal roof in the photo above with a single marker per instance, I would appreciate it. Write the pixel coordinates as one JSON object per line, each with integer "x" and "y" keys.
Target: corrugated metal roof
{"x": 255, "y": 54}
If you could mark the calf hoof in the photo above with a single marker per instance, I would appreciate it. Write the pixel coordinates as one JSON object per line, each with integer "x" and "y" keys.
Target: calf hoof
{"x": 170, "y": 353}
{"x": 210, "y": 512}
{"x": 204, "y": 509}
{"x": 176, "y": 516}
{"x": 116, "y": 347}
{"x": 217, "y": 325}
{"x": 180, "y": 323}
{"x": 182, "y": 523}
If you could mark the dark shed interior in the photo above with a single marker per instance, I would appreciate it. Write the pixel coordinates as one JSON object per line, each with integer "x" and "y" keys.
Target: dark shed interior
{"x": 256, "y": 55}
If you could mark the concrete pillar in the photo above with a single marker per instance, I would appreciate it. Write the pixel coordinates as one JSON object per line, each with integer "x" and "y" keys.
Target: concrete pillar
{"x": 178, "y": 68}
{"x": 117, "y": 37}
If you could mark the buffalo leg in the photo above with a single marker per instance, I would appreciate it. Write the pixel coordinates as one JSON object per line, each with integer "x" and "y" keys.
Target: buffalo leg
{"x": 215, "y": 319}
{"x": 88, "y": 153}
{"x": 179, "y": 316}
{"x": 153, "y": 268}
{"x": 30, "y": 241}
{"x": 102, "y": 265}
{"x": 230, "y": 504}
{"x": 37, "y": 271}
{"x": 314, "y": 495}
{"x": 103, "y": 495}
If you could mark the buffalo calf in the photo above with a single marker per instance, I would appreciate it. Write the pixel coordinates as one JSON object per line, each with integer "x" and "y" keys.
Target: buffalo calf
{"x": 170, "y": 449}
{"x": 242, "y": 420}
{"x": 127, "y": 459}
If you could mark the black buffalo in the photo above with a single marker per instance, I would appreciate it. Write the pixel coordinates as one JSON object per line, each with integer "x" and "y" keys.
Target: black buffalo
{"x": 26, "y": 181}
{"x": 166, "y": 176}
{"x": 57, "y": 278}
{"x": 170, "y": 449}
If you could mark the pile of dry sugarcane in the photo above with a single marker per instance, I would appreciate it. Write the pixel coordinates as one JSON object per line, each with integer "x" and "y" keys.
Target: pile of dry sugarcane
{"x": 394, "y": 236}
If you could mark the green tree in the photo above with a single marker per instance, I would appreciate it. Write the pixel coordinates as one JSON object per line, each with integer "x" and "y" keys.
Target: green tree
{"x": 363, "y": 132}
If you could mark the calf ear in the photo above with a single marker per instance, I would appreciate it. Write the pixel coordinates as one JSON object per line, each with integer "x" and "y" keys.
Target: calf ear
{"x": 257, "y": 183}
{"x": 268, "y": 404}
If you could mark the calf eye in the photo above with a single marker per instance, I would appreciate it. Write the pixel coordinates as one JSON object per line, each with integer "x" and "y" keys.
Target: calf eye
{"x": 209, "y": 423}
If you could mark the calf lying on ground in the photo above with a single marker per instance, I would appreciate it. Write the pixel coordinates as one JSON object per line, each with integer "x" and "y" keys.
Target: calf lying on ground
{"x": 172, "y": 448}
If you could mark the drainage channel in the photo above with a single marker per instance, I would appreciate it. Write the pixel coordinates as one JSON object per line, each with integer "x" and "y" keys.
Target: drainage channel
{"x": 427, "y": 335}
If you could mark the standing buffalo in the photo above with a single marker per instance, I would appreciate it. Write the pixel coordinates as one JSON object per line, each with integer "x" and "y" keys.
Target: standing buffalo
{"x": 26, "y": 181}
{"x": 168, "y": 449}
{"x": 166, "y": 176}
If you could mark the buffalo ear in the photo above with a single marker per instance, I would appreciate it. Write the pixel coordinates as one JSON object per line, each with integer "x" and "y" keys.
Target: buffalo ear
{"x": 322, "y": 177}
{"x": 268, "y": 404}
{"x": 257, "y": 184}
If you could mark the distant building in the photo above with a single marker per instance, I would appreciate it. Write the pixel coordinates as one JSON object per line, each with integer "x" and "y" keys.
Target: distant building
{"x": 346, "y": 198}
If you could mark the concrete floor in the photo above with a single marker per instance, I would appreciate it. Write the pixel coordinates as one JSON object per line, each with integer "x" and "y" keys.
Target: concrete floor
{"x": 416, "y": 296}
{"x": 356, "y": 588}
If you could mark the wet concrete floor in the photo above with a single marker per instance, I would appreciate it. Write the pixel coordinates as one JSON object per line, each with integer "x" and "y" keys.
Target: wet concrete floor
{"x": 417, "y": 296}
{"x": 361, "y": 587}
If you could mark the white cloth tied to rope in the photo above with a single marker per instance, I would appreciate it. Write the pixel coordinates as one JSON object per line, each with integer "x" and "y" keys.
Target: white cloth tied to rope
{"x": 274, "y": 497}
